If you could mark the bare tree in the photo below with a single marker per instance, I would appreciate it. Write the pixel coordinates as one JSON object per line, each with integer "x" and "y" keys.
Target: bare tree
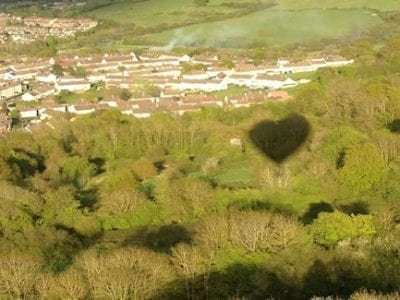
{"x": 71, "y": 285}
{"x": 18, "y": 276}
{"x": 190, "y": 264}
{"x": 284, "y": 231}
{"x": 129, "y": 273}
{"x": 250, "y": 230}
{"x": 212, "y": 232}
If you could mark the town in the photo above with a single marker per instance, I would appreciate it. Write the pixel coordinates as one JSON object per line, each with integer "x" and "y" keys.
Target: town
{"x": 28, "y": 29}
{"x": 176, "y": 84}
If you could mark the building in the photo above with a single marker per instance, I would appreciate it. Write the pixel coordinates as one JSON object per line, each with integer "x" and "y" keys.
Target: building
{"x": 10, "y": 89}
{"x": 72, "y": 84}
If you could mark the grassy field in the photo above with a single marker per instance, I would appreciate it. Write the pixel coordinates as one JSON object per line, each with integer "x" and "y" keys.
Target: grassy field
{"x": 228, "y": 23}
{"x": 270, "y": 28}
{"x": 156, "y": 12}
{"x": 382, "y": 5}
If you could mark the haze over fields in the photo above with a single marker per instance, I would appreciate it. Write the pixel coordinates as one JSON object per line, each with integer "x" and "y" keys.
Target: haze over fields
{"x": 249, "y": 24}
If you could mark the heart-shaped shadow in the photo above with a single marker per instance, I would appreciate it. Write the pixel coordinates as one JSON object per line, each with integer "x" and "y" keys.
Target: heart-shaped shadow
{"x": 280, "y": 139}
{"x": 394, "y": 126}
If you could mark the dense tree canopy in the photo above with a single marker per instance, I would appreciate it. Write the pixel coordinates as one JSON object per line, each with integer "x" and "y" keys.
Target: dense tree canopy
{"x": 110, "y": 206}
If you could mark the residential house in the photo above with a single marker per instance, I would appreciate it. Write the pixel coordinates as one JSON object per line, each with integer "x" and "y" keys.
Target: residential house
{"x": 82, "y": 109}
{"x": 196, "y": 75}
{"x": 46, "y": 77}
{"x": 10, "y": 89}
{"x": 72, "y": 84}
{"x": 273, "y": 82}
{"x": 240, "y": 79}
{"x": 198, "y": 85}
{"x": 28, "y": 113}
{"x": 278, "y": 95}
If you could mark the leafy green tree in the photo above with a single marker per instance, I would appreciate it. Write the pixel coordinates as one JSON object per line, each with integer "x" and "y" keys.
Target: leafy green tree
{"x": 61, "y": 208}
{"x": 330, "y": 228}
{"x": 77, "y": 170}
{"x": 125, "y": 95}
{"x": 144, "y": 169}
{"x": 363, "y": 168}
{"x": 185, "y": 198}
{"x": 58, "y": 70}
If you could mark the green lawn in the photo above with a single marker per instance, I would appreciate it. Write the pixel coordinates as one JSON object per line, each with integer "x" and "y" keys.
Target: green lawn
{"x": 382, "y": 5}
{"x": 270, "y": 28}
{"x": 240, "y": 23}
{"x": 156, "y": 12}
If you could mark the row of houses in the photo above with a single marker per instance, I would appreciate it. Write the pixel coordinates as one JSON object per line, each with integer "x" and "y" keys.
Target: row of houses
{"x": 32, "y": 28}
{"x": 142, "y": 108}
{"x": 10, "y": 89}
{"x": 81, "y": 24}
{"x": 130, "y": 71}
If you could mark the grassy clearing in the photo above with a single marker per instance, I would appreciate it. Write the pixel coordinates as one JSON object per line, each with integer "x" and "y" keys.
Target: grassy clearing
{"x": 270, "y": 28}
{"x": 156, "y": 12}
{"x": 382, "y": 5}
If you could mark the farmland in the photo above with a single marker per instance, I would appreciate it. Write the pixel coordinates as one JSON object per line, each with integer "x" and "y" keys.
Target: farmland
{"x": 270, "y": 28}
{"x": 220, "y": 23}
{"x": 243, "y": 23}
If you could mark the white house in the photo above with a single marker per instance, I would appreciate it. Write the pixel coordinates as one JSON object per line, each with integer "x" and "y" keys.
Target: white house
{"x": 248, "y": 69}
{"x": 216, "y": 71}
{"x": 10, "y": 75}
{"x": 240, "y": 79}
{"x": 46, "y": 77}
{"x": 318, "y": 63}
{"x": 28, "y": 113}
{"x": 30, "y": 96}
{"x": 185, "y": 58}
{"x": 96, "y": 77}
{"x": 297, "y": 68}
{"x": 196, "y": 75}
{"x": 198, "y": 85}
{"x": 27, "y": 74}
{"x": 72, "y": 84}
{"x": 271, "y": 81}
{"x": 82, "y": 109}
{"x": 336, "y": 61}
{"x": 9, "y": 89}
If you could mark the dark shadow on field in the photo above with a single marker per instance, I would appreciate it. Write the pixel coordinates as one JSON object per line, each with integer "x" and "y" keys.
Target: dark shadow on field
{"x": 58, "y": 244}
{"x": 314, "y": 210}
{"x": 355, "y": 208}
{"x": 27, "y": 162}
{"x": 260, "y": 205}
{"x": 99, "y": 163}
{"x": 88, "y": 198}
{"x": 338, "y": 278}
{"x": 278, "y": 140}
{"x": 159, "y": 239}
{"x": 394, "y": 126}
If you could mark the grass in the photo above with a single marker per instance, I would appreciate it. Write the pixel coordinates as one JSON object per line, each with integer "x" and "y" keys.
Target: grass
{"x": 382, "y": 5}
{"x": 156, "y": 12}
{"x": 229, "y": 24}
{"x": 270, "y": 28}
{"x": 232, "y": 176}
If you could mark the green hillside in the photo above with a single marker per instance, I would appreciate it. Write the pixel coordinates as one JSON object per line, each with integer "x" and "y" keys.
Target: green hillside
{"x": 244, "y": 23}
{"x": 270, "y": 28}
{"x": 382, "y": 5}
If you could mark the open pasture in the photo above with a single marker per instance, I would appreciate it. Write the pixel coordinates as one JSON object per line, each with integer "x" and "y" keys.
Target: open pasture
{"x": 270, "y": 28}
